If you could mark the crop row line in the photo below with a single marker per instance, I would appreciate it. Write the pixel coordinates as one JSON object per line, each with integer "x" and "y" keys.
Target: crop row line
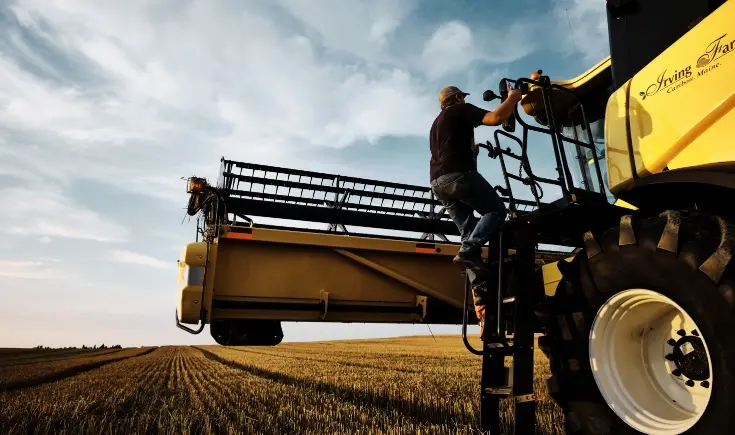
{"x": 66, "y": 373}
{"x": 35, "y": 358}
{"x": 328, "y": 361}
{"x": 424, "y": 412}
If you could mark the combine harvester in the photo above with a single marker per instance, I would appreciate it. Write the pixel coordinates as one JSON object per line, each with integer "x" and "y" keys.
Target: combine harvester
{"x": 637, "y": 316}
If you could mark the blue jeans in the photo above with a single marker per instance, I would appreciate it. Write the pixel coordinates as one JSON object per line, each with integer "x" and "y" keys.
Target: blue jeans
{"x": 463, "y": 193}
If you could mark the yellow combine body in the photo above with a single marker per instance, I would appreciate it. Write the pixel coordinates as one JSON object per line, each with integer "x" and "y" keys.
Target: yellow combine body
{"x": 677, "y": 112}
{"x": 286, "y": 275}
{"x": 301, "y": 276}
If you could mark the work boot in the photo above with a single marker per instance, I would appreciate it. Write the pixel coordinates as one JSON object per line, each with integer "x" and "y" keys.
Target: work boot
{"x": 469, "y": 259}
{"x": 480, "y": 313}
{"x": 480, "y": 296}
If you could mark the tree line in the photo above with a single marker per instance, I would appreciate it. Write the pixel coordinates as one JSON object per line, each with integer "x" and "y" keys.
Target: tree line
{"x": 102, "y": 346}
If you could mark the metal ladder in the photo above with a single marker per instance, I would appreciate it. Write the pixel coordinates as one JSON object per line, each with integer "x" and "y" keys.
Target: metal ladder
{"x": 520, "y": 233}
{"x": 497, "y": 381}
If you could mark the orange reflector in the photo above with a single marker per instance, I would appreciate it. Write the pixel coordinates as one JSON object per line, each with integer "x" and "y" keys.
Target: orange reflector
{"x": 426, "y": 248}
{"x": 239, "y": 236}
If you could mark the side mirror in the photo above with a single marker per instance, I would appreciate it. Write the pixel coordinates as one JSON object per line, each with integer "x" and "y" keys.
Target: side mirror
{"x": 489, "y": 96}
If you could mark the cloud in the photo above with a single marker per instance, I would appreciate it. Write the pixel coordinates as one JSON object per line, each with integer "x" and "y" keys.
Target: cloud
{"x": 140, "y": 259}
{"x": 485, "y": 80}
{"x": 358, "y": 28}
{"x": 143, "y": 113}
{"x": 35, "y": 270}
{"x": 450, "y": 49}
{"x": 455, "y": 46}
{"x": 47, "y": 213}
{"x": 271, "y": 83}
{"x": 588, "y": 34}
{"x": 67, "y": 112}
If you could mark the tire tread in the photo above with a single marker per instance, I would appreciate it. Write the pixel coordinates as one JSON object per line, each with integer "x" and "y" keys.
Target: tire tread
{"x": 590, "y": 278}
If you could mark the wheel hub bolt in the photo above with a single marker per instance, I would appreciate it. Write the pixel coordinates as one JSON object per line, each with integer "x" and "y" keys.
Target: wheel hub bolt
{"x": 681, "y": 332}
{"x": 690, "y": 383}
{"x": 676, "y": 372}
{"x": 705, "y": 384}
{"x": 670, "y": 357}
{"x": 671, "y": 342}
{"x": 695, "y": 332}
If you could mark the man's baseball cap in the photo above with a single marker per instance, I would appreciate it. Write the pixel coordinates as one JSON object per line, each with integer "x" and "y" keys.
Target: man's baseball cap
{"x": 448, "y": 91}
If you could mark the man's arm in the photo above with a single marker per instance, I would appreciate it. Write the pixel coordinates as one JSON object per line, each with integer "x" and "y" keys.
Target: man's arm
{"x": 504, "y": 110}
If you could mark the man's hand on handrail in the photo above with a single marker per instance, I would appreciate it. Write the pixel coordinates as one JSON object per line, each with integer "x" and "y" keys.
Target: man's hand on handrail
{"x": 504, "y": 110}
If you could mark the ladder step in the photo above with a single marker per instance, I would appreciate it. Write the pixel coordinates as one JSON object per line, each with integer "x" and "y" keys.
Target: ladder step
{"x": 507, "y": 260}
{"x": 525, "y": 398}
{"x": 499, "y": 349}
{"x": 499, "y": 391}
{"x": 498, "y": 345}
{"x": 508, "y": 392}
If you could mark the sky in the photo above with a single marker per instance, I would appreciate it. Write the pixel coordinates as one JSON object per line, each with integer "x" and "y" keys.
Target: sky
{"x": 106, "y": 106}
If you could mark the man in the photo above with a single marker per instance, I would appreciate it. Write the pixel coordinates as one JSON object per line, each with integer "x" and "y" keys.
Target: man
{"x": 461, "y": 189}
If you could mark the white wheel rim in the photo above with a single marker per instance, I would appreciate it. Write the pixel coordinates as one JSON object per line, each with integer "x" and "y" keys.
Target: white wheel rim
{"x": 628, "y": 345}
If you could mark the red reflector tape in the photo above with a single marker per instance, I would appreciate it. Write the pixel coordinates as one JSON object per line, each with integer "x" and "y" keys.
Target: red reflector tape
{"x": 239, "y": 236}
{"x": 426, "y": 248}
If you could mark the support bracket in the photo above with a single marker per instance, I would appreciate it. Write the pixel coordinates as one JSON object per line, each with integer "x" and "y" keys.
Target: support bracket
{"x": 421, "y": 302}
{"x": 324, "y": 301}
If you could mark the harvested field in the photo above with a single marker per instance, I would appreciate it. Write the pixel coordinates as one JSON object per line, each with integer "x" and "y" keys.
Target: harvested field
{"x": 406, "y": 385}
{"x": 24, "y": 371}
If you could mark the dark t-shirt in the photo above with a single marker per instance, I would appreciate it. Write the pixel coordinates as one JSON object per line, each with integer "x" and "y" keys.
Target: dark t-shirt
{"x": 451, "y": 139}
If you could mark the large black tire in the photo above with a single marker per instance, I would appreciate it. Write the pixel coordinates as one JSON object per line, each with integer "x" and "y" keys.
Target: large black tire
{"x": 684, "y": 256}
{"x": 248, "y": 332}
